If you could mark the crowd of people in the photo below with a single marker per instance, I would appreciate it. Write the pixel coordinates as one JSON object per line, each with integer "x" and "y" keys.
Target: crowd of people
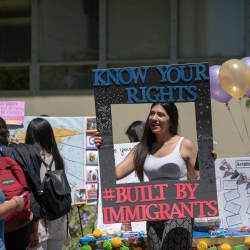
{"x": 41, "y": 234}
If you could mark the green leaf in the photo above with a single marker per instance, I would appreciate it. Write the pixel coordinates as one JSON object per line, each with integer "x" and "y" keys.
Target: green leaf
{"x": 248, "y": 103}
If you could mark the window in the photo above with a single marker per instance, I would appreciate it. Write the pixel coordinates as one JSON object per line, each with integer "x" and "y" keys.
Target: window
{"x": 67, "y": 30}
{"x": 15, "y": 31}
{"x": 138, "y": 29}
{"x": 53, "y": 45}
{"x": 14, "y": 78}
{"x": 211, "y": 28}
{"x": 66, "y": 77}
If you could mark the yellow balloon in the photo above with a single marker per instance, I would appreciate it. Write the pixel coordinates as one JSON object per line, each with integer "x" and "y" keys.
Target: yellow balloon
{"x": 234, "y": 77}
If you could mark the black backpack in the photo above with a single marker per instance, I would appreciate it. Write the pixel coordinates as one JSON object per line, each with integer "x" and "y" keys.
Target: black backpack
{"x": 29, "y": 158}
{"x": 45, "y": 196}
{"x": 56, "y": 193}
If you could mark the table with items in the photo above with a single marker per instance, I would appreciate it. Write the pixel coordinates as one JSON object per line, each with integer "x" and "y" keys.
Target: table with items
{"x": 223, "y": 238}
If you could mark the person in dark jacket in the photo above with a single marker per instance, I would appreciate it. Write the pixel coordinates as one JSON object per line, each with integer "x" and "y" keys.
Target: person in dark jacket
{"x": 26, "y": 235}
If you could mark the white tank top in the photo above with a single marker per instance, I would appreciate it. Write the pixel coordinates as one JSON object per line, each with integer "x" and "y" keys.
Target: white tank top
{"x": 169, "y": 167}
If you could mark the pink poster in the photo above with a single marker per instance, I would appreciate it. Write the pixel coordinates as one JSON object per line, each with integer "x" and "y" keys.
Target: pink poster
{"x": 12, "y": 112}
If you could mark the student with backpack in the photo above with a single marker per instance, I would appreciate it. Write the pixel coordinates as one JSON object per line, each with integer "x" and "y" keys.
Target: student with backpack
{"x": 18, "y": 229}
{"x": 52, "y": 233}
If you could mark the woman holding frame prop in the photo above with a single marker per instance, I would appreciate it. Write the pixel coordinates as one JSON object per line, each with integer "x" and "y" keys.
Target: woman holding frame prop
{"x": 163, "y": 155}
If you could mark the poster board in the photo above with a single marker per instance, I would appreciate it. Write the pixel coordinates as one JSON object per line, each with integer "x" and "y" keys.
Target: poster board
{"x": 233, "y": 178}
{"x": 120, "y": 152}
{"x": 12, "y": 112}
{"x": 76, "y": 146}
{"x": 167, "y": 83}
{"x": 233, "y": 193}
{"x": 80, "y": 196}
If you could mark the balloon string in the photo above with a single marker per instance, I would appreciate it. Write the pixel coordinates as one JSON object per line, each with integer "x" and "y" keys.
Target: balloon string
{"x": 247, "y": 151}
{"x": 240, "y": 101}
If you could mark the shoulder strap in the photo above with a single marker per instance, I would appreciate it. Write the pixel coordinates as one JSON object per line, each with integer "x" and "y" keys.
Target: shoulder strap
{"x": 178, "y": 146}
{"x": 180, "y": 141}
{"x": 48, "y": 165}
{"x": 7, "y": 152}
{"x": 2, "y": 153}
{"x": 29, "y": 158}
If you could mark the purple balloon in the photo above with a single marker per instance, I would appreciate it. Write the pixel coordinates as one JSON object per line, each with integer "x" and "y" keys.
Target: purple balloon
{"x": 217, "y": 92}
{"x": 248, "y": 93}
{"x": 246, "y": 60}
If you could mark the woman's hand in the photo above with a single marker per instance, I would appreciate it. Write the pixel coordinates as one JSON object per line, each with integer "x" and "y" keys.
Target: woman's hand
{"x": 16, "y": 203}
{"x": 123, "y": 169}
{"x": 98, "y": 140}
{"x": 214, "y": 154}
{"x": 19, "y": 203}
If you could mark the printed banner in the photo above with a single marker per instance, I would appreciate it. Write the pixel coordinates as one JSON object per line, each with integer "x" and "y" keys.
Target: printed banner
{"x": 77, "y": 149}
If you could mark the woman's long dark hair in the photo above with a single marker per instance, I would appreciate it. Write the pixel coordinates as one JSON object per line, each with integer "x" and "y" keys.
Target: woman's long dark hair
{"x": 135, "y": 130}
{"x": 4, "y": 132}
{"x": 40, "y": 134}
{"x": 148, "y": 137}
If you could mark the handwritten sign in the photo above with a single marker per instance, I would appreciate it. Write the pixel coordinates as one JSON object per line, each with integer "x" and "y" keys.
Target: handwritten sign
{"x": 121, "y": 151}
{"x": 12, "y": 112}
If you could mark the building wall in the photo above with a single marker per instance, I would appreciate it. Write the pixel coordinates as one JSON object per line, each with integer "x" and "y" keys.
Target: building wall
{"x": 49, "y": 48}
{"x": 229, "y": 143}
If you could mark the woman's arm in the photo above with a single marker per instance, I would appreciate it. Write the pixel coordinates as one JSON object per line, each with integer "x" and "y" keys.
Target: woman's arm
{"x": 14, "y": 204}
{"x": 126, "y": 167}
{"x": 34, "y": 238}
{"x": 189, "y": 154}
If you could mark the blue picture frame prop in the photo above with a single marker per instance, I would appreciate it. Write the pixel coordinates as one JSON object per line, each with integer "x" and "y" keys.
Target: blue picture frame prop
{"x": 156, "y": 200}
